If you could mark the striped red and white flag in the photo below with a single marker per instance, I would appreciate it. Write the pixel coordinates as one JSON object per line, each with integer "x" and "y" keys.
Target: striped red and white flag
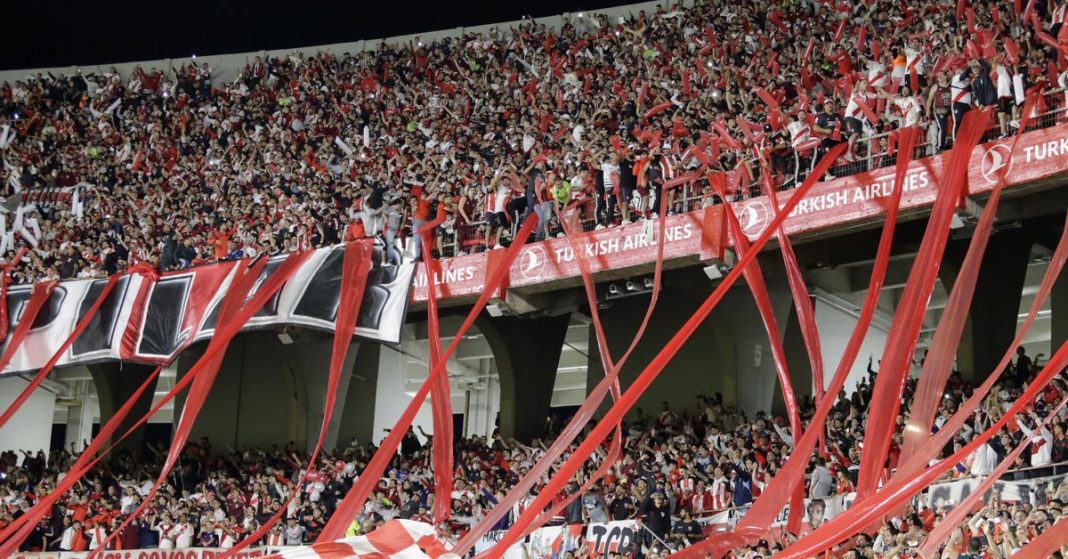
{"x": 396, "y": 539}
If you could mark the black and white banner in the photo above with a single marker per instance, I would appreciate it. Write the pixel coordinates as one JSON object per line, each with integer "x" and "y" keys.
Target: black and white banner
{"x": 150, "y": 321}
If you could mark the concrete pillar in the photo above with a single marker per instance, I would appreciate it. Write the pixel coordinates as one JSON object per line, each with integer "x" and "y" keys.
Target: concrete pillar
{"x": 992, "y": 319}
{"x": 31, "y": 427}
{"x": 527, "y": 353}
{"x": 115, "y": 384}
{"x": 80, "y": 424}
{"x": 706, "y": 364}
{"x": 259, "y": 397}
{"x": 356, "y": 417}
{"x": 313, "y": 360}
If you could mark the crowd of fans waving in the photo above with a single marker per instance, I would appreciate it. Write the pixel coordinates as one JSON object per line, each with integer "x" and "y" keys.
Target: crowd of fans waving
{"x": 675, "y": 469}
{"x": 172, "y": 167}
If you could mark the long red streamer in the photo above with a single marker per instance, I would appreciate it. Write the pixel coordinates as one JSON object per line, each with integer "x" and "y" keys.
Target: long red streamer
{"x": 47, "y": 368}
{"x": 233, "y": 314}
{"x": 4, "y": 281}
{"x": 901, "y": 340}
{"x": 41, "y": 293}
{"x": 354, "y": 271}
{"x": 754, "y": 278}
{"x": 943, "y": 349}
{"x": 936, "y": 443}
{"x": 764, "y": 510}
{"x": 352, "y": 503}
{"x": 940, "y": 534}
{"x": 642, "y": 382}
{"x": 76, "y": 472}
{"x": 864, "y": 512}
{"x": 440, "y": 398}
{"x": 28, "y": 521}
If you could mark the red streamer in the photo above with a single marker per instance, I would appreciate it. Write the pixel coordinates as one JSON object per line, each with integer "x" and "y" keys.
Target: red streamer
{"x": 4, "y": 281}
{"x": 838, "y": 32}
{"x": 808, "y": 50}
{"x": 770, "y": 101}
{"x": 354, "y": 272}
{"x": 764, "y": 510}
{"x": 642, "y": 382}
{"x": 48, "y": 366}
{"x": 41, "y": 293}
{"x": 862, "y": 36}
{"x": 657, "y": 109}
{"x": 352, "y": 503}
{"x": 28, "y": 521}
{"x": 901, "y": 340}
{"x": 233, "y": 315}
{"x": 754, "y": 278}
{"x": 440, "y": 399}
{"x": 897, "y": 491}
{"x": 940, "y": 534}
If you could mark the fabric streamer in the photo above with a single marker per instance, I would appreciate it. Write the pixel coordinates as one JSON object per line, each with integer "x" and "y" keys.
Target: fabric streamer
{"x": 28, "y": 520}
{"x": 901, "y": 340}
{"x": 440, "y": 397}
{"x": 4, "y": 281}
{"x": 43, "y": 372}
{"x": 939, "y": 440}
{"x": 806, "y": 314}
{"x": 642, "y": 382}
{"x": 592, "y": 402}
{"x": 41, "y": 293}
{"x": 657, "y": 109}
{"x": 763, "y": 511}
{"x": 352, "y": 503}
{"x": 1045, "y": 544}
{"x": 864, "y": 512}
{"x": 940, "y": 534}
{"x": 44, "y": 506}
{"x": 754, "y": 278}
{"x": 355, "y": 267}
{"x": 944, "y": 345}
{"x": 233, "y": 314}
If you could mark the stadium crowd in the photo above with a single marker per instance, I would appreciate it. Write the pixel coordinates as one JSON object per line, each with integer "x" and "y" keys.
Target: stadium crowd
{"x": 174, "y": 168}
{"x": 676, "y": 468}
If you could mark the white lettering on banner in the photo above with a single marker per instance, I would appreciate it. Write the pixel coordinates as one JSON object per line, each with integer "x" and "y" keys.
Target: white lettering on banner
{"x": 613, "y": 245}
{"x": 444, "y": 277}
{"x": 611, "y": 537}
{"x": 1052, "y": 148}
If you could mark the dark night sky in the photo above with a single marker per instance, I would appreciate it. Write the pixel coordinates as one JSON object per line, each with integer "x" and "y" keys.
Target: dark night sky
{"x": 65, "y": 33}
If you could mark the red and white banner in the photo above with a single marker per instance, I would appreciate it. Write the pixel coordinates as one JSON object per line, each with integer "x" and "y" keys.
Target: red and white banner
{"x": 150, "y": 320}
{"x": 190, "y": 553}
{"x": 613, "y": 537}
{"x": 552, "y": 542}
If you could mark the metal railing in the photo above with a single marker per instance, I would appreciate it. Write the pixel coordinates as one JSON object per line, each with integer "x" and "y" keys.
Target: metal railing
{"x": 870, "y": 154}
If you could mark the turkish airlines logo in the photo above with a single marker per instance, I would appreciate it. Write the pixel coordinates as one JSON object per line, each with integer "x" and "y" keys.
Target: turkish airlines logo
{"x": 996, "y": 158}
{"x": 532, "y": 263}
{"x": 753, "y": 218}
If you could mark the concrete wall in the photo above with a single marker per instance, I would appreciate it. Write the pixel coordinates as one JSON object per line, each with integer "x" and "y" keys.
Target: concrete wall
{"x": 836, "y": 325}
{"x": 393, "y": 395}
{"x": 705, "y": 364}
{"x": 31, "y": 427}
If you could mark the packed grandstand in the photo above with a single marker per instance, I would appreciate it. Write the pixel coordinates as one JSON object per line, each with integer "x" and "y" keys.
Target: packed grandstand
{"x": 173, "y": 168}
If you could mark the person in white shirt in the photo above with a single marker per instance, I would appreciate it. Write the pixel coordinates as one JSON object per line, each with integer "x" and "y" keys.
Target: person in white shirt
{"x": 907, "y": 104}
{"x": 66, "y": 540}
{"x": 960, "y": 89}
{"x": 97, "y": 535}
{"x": 1041, "y": 442}
{"x": 856, "y": 123}
{"x": 183, "y": 533}
{"x": 1005, "y": 96}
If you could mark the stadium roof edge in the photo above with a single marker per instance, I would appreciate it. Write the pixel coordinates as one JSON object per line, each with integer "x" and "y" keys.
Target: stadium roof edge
{"x": 227, "y": 65}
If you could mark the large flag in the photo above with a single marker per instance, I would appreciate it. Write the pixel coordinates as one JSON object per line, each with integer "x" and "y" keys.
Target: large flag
{"x": 396, "y": 539}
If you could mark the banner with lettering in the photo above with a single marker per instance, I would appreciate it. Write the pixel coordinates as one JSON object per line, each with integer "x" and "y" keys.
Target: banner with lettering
{"x": 1034, "y": 490}
{"x": 552, "y": 542}
{"x": 612, "y": 537}
{"x": 189, "y": 553}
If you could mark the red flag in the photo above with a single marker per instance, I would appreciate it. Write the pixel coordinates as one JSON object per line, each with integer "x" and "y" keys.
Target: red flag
{"x": 969, "y": 16}
{"x": 1012, "y": 52}
{"x": 838, "y": 32}
{"x": 767, "y": 98}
